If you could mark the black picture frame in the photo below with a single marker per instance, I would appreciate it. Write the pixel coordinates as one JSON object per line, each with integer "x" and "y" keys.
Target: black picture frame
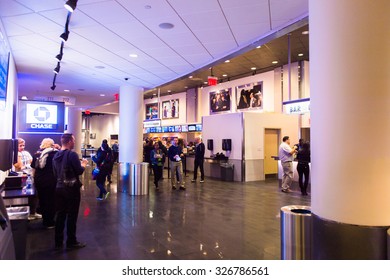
{"x": 220, "y": 101}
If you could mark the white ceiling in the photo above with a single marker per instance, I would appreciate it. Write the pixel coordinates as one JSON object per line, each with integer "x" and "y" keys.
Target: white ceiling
{"x": 104, "y": 33}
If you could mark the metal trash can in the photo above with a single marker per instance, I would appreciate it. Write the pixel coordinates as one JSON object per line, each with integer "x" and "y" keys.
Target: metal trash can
{"x": 19, "y": 219}
{"x": 227, "y": 172}
{"x": 133, "y": 178}
{"x": 295, "y": 232}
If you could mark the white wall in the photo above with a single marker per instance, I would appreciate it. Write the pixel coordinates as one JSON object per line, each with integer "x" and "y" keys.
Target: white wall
{"x": 182, "y": 119}
{"x": 224, "y": 126}
{"x": 267, "y": 78}
{"x": 103, "y": 126}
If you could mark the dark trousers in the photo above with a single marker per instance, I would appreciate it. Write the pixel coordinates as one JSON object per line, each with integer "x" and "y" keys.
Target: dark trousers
{"x": 157, "y": 171}
{"x": 198, "y": 163}
{"x": 303, "y": 170}
{"x": 100, "y": 182}
{"x": 46, "y": 195}
{"x": 67, "y": 206}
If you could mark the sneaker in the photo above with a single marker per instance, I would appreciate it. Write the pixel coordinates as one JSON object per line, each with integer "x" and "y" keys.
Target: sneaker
{"x": 201, "y": 181}
{"x": 182, "y": 188}
{"x": 99, "y": 198}
{"x": 77, "y": 245}
{"x": 34, "y": 216}
{"x": 106, "y": 195}
{"x": 193, "y": 180}
{"x": 286, "y": 190}
{"x": 173, "y": 187}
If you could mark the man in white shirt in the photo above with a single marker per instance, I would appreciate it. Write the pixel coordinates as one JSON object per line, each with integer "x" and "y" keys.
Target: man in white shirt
{"x": 286, "y": 156}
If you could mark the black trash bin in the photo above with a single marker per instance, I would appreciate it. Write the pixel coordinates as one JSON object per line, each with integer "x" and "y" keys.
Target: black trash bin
{"x": 19, "y": 219}
{"x": 227, "y": 172}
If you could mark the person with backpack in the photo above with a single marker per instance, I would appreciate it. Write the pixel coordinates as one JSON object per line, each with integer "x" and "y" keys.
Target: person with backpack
{"x": 103, "y": 160}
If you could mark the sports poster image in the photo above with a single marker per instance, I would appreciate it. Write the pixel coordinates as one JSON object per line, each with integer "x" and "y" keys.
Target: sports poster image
{"x": 220, "y": 100}
{"x": 170, "y": 109}
{"x": 250, "y": 96}
{"x": 151, "y": 111}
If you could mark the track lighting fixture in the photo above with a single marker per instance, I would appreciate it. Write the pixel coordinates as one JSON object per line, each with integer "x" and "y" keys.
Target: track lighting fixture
{"x": 57, "y": 69}
{"x": 64, "y": 36}
{"x": 70, "y": 5}
{"x": 53, "y": 87}
{"x": 59, "y": 57}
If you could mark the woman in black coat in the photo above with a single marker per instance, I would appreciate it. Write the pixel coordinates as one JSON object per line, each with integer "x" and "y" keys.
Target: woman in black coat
{"x": 103, "y": 160}
{"x": 303, "y": 158}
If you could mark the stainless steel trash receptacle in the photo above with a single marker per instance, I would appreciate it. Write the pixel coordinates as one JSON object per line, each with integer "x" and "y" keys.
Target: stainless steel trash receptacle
{"x": 19, "y": 219}
{"x": 295, "y": 232}
{"x": 133, "y": 178}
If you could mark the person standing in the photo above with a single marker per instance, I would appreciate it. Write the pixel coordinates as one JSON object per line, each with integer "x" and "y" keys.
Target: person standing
{"x": 45, "y": 181}
{"x": 303, "y": 158}
{"x": 286, "y": 156}
{"x": 199, "y": 159}
{"x": 67, "y": 168}
{"x": 103, "y": 160}
{"x": 115, "y": 151}
{"x": 24, "y": 164}
{"x": 175, "y": 153}
{"x": 156, "y": 158}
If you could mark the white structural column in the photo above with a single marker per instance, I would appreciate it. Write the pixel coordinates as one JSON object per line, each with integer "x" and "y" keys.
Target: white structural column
{"x": 133, "y": 175}
{"x": 74, "y": 127}
{"x": 131, "y": 115}
{"x": 350, "y": 112}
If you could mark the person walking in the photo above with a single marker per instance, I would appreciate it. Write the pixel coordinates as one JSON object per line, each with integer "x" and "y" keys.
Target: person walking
{"x": 45, "y": 181}
{"x": 67, "y": 168}
{"x": 199, "y": 159}
{"x": 175, "y": 153}
{"x": 103, "y": 160}
{"x": 303, "y": 158}
{"x": 286, "y": 156}
{"x": 115, "y": 151}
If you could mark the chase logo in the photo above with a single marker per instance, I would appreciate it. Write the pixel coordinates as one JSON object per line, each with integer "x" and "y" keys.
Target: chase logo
{"x": 42, "y": 114}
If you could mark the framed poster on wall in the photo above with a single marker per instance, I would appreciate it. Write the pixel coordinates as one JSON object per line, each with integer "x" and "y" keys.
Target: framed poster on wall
{"x": 170, "y": 109}
{"x": 220, "y": 100}
{"x": 249, "y": 96}
{"x": 151, "y": 111}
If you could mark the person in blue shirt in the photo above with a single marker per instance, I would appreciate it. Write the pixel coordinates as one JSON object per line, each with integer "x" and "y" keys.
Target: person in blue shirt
{"x": 175, "y": 153}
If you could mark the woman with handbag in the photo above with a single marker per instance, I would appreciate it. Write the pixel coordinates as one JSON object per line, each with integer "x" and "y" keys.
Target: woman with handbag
{"x": 103, "y": 163}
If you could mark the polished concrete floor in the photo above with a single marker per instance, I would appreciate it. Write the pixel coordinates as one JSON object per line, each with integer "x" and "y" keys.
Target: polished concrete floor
{"x": 209, "y": 221}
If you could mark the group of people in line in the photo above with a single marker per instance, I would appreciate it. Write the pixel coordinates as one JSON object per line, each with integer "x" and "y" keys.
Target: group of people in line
{"x": 56, "y": 170}
{"x": 287, "y": 154}
{"x": 155, "y": 152}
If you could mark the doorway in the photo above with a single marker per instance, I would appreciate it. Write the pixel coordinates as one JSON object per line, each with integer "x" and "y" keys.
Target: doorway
{"x": 271, "y": 145}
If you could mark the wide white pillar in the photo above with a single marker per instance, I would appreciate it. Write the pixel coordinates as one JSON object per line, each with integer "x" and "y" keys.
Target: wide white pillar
{"x": 74, "y": 127}
{"x": 132, "y": 173}
{"x": 350, "y": 112}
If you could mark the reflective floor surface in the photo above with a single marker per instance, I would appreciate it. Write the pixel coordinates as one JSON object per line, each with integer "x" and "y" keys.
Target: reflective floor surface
{"x": 208, "y": 221}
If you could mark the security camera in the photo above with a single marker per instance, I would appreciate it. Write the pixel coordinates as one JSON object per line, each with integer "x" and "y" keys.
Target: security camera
{"x": 126, "y": 79}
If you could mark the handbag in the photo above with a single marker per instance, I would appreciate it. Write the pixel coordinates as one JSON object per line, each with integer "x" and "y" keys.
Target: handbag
{"x": 95, "y": 173}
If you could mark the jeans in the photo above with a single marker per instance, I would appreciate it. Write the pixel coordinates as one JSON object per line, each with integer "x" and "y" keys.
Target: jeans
{"x": 303, "y": 170}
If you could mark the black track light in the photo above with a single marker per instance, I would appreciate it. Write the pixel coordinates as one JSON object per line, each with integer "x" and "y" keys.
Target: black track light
{"x": 64, "y": 36}
{"x": 59, "y": 57}
{"x": 53, "y": 87}
{"x": 70, "y": 5}
{"x": 57, "y": 69}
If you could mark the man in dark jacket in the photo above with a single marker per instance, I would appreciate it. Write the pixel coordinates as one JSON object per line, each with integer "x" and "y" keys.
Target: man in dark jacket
{"x": 67, "y": 168}
{"x": 199, "y": 159}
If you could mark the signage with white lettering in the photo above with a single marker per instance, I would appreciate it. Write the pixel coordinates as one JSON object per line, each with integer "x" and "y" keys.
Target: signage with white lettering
{"x": 152, "y": 123}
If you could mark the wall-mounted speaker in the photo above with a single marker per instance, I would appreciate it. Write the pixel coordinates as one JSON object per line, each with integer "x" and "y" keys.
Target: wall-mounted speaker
{"x": 227, "y": 144}
{"x": 210, "y": 144}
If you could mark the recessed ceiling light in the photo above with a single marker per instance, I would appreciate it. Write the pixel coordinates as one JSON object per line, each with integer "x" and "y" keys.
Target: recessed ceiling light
{"x": 133, "y": 55}
{"x": 190, "y": 77}
{"x": 185, "y": 87}
{"x": 258, "y": 47}
{"x": 253, "y": 68}
{"x": 102, "y": 94}
{"x": 148, "y": 7}
{"x": 24, "y": 97}
{"x": 166, "y": 25}
{"x": 99, "y": 67}
{"x": 227, "y": 61}
{"x": 275, "y": 62}
{"x": 169, "y": 90}
{"x": 305, "y": 32}
{"x": 300, "y": 54}
{"x": 205, "y": 83}
{"x": 224, "y": 75}
{"x": 66, "y": 90}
